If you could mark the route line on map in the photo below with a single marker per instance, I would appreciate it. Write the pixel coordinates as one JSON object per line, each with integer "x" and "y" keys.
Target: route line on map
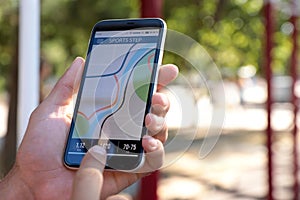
{"x": 149, "y": 67}
{"x": 120, "y": 68}
{"x": 105, "y": 107}
{"x": 124, "y": 90}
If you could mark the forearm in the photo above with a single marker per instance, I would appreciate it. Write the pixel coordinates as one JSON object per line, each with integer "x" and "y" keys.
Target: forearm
{"x": 13, "y": 187}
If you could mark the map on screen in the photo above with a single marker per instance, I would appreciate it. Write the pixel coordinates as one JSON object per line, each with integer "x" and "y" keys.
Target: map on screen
{"x": 115, "y": 91}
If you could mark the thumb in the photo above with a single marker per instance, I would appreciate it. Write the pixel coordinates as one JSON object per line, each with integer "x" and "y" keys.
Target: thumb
{"x": 67, "y": 85}
{"x": 89, "y": 179}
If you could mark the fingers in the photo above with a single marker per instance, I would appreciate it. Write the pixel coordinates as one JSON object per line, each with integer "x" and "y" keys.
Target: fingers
{"x": 155, "y": 121}
{"x": 167, "y": 73}
{"x": 89, "y": 179}
{"x": 68, "y": 84}
{"x": 160, "y": 104}
{"x": 154, "y": 154}
{"x": 156, "y": 127}
{"x": 94, "y": 158}
{"x": 118, "y": 180}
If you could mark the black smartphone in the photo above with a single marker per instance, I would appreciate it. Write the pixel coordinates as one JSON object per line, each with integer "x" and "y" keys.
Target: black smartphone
{"x": 115, "y": 93}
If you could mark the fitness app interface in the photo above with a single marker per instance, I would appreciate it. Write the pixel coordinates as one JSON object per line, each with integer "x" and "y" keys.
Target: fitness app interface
{"x": 115, "y": 91}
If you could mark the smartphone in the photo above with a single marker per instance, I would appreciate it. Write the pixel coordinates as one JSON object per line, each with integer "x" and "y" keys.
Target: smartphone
{"x": 118, "y": 81}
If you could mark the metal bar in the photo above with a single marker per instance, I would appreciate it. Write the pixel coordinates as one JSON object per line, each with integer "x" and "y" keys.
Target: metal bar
{"x": 151, "y": 8}
{"x": 148, "y": 190}
{"x": 29, "y": 53}
{"x": 148, "y": 187}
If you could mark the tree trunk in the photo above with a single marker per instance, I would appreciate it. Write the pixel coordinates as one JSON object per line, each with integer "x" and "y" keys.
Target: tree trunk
{"x": 9, "y": 150}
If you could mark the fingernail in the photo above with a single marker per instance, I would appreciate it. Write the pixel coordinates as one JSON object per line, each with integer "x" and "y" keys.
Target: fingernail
{"x": 98, "y": 149}
{"x": 164, "y": 100}
{"x": 156, "y": 122}
{"x": 157, "y": 108}
{"x": 161, "y": 101}
{"x": 98, "y": 152}
{"x": 78, "y": 61}
{"x": 152, "y": 143}
{"x": 95, "y": 158}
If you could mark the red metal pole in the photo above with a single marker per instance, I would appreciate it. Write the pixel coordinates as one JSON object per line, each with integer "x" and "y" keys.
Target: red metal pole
{"x": 268, "y": 71}
{"x": 294, "y": 74}
{"x": 151, "y": 8}
{"x": 148, "y": 187}
{"x": 148, "y": 190}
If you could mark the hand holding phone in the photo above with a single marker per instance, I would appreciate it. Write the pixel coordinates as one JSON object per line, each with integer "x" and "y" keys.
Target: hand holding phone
{"x": 39, "y": 162}
{"x": 116, "y": 89}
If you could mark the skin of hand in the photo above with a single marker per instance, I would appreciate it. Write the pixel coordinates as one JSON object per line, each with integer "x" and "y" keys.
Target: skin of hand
{"x": 39, "y": 172}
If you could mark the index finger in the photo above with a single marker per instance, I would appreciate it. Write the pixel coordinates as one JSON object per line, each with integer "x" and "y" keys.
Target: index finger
{"x": 89, "y": 179}
{"x": 167, "y": 73}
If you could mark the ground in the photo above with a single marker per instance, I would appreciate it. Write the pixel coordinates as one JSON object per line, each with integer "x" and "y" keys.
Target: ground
{"x": 235, "y": 169}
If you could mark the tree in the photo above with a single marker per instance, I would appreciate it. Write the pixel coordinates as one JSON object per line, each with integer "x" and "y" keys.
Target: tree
{"x": 9, "y": 68}
{"x": 232, "y": 30}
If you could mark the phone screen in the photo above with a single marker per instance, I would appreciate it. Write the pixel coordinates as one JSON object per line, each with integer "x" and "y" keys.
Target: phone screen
{"x": 115, "y": 95}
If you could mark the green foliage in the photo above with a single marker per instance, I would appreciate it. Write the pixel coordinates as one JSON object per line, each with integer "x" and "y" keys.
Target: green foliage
{"x": 66, "y": 26}
{"x": 232, "y": 31}
{"x": 8, "y": 34}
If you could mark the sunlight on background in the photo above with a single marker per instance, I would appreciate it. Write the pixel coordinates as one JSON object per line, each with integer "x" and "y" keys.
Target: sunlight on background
{"x": 3, "y": 116}
{"x": 231, "y": 33}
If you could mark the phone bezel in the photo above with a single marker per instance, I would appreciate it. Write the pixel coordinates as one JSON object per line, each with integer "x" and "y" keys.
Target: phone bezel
{"x": 132, "y": 163}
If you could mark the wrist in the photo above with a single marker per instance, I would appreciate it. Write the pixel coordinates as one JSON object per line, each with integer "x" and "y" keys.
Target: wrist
{"x": 13, "y": 187}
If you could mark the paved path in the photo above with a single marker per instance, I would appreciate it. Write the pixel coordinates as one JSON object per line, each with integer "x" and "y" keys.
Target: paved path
{"x": 235, "y": 170}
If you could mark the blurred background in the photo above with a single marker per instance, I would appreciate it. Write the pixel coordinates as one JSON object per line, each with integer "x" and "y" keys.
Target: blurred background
{"x": 233, "y": 34}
